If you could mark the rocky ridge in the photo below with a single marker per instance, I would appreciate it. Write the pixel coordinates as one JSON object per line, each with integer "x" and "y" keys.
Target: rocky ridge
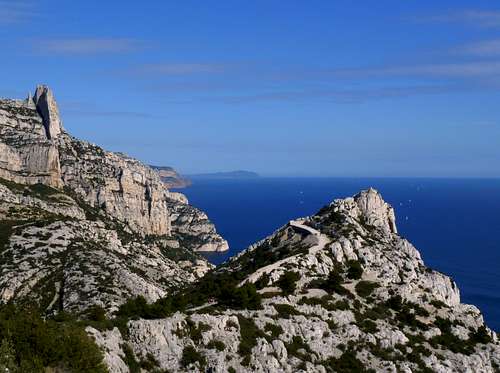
{"x": 98, "y": 235}
{"x": 341, "y": 292}
{"x": 36, "y": 149}
{"x": 171, "y": 178}
{"x": 80, "y": 226}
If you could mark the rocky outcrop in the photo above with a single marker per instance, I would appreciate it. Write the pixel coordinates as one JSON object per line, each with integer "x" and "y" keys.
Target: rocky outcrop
{"x": 358, "y": 298}
{"x": 193, "y": 227}
{"x": 34, "y": 148}
{"x": 63, "y": 254}
{"x": 47, "y": 108}
{"x": 27, "y": 155}
{"x": 171, "y": 178}
{"x": 120, "y": 185}
{"x": 81, "y": 226}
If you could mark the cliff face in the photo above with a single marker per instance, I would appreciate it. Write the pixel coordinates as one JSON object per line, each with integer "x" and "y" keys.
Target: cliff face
{"x": 36, "y": 149}
{"x": 339, "y": 291}
{"x": 82, "y": 226}
{"x": 27, "y": 155}
{"x": 171, "y": 178}
{"x": 122, "y": 186}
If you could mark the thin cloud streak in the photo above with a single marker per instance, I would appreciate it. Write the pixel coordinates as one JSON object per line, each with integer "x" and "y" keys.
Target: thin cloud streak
{"x": 109, "y": 114}
{"x": 487, "y": 48}
{"x": 338, "y": 96}
{"x": 18, "y": 11}
{"x": 175, "y": 69}
{"x": 87, "y": 46}
{"x": 445, "y": 70}
{"x": 474, "y": 17}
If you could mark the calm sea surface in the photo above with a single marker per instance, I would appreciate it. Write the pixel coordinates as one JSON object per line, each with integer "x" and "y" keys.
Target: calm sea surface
{"x": 454, "y": 223}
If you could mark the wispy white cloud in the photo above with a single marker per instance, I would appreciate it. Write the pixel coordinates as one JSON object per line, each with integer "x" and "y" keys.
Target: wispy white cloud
{"x": 16, "y": 11}
{"x": 337, "y": 95}
{"x": 488, "y": 48}
{"x": 445, "y": 70}
{"x": 474, "y": 17}
{"x": 177, "y": 69}
{"x": 84, "y": 46}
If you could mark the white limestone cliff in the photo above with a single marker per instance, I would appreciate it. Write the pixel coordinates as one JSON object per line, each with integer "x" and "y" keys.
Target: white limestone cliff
{"x": 411, "y": 319}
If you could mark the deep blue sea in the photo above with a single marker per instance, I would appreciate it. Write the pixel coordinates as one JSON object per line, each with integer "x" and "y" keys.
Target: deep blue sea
{"x": 454, "y": 223}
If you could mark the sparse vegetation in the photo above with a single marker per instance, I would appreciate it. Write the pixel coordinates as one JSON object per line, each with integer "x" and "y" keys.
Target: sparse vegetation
{"x": 216, "y": 345}
{"x": 354, "y": 270}
{"x": 249, "y": 334}
{"x": 346, "y": 363}
{"x": 274, "y": 329}
{"x": 288, "y": 282}
{"x": 286, "y": 310}
{"x": 191, "y": 356}
{"x": 34, "y": 343}
{"x": 365, "y": 288}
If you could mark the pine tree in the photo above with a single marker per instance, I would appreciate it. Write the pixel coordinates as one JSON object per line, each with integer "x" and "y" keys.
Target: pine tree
{"x": 7, "y": 357}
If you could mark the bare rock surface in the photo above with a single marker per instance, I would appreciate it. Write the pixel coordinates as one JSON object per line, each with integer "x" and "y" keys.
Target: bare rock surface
{"x": 363, "y": 301}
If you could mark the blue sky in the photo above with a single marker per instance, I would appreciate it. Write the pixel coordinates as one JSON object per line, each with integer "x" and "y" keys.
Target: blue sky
{"x": 332, "y": 88}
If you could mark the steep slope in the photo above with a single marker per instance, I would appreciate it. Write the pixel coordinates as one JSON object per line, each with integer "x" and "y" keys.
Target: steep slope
{"x": 81, "y": 226}
{"x": 339, "y": 291}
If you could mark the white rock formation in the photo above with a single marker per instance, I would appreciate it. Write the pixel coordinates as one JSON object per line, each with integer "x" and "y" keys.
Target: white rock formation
{"x": 410, "y": 319}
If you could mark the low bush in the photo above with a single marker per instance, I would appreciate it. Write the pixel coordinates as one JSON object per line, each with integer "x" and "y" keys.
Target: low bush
{"x": 191, "y": 356}
{"x": 216, "y": 345}
{"x": 365, "y": 288}
{"x": 36, "y": 343}
{"x": 285, "y": 311}
{"x": 249, "y": 333}
{"x": 288, "y": 282}
{"x": 346, "y": 363}
{"x": 354, "y": 270}
{"x": 274, "y": 329}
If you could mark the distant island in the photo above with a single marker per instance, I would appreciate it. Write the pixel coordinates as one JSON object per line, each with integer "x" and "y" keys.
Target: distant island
{"x": 239, "y": 174}
{"x": 173, "y": 179}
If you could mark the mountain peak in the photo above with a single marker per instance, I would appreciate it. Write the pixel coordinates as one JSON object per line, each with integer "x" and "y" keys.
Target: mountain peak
{"x": 369, "y": 207}
{"x": 47, "y": 108}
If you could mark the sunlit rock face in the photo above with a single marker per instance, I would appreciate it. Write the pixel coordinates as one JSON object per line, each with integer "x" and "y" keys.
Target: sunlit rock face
{"x": 27, "y": 154}
{"x": 363, "y": 301}
{"x": 81, "y": 226}
{"x": 34, "y": 148}
{"x": 46, "y": 106}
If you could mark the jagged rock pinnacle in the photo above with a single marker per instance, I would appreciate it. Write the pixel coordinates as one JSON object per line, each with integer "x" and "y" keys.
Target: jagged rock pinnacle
{"x": 47, "y": 108}
{"x": 376, "y": 210}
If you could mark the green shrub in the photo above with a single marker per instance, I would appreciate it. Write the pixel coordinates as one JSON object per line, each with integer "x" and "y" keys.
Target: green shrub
{"x": 191, "y": 356}
{"x": 395, "y": 302}
{"x": 288, "y": 282}
{"x": 274, "y": 329}
{"x": 249, "y": 333}
{"x": 298, "y": 348}
{"x": 216, "y": 345}
{"x": 368, "y": 326}
{"x": 346, "y": 363}
{"x": 354, "y": 270}
{"x": 195, "y": 331}
{"x": 333, "y": 284}
{"x": 40, "y": 343}
{"x": 480, "y": 336}
{"x": 130, "y": 360}
{"x": 7, "y": 356}
{"x": 365, "y": 288}
{"x": 286, "y": 310}
{"x": 243, "y": 297}
{"x": 438, "y": 304}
